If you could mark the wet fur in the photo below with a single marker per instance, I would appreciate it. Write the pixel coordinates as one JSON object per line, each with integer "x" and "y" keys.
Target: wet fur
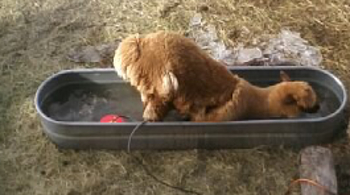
{"x": 171, "y": 71}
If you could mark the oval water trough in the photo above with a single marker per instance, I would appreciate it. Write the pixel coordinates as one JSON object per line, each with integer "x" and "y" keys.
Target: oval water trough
{"x": 70, "y": 102}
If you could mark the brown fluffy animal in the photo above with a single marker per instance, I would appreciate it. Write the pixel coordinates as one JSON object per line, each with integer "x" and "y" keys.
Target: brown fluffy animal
{"x": 171, "y": 71}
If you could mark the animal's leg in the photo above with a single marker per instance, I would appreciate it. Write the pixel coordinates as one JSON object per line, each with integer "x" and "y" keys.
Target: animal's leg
{"x": 198, "y": 116}
{"x": 228, "y": 111}
{"x": 209, "y": 114}
{"x": 144, "y": 100}
{"x": 234, "y": 109}
{"x": 155, "y": 108}
{"x": 157, "y": 102}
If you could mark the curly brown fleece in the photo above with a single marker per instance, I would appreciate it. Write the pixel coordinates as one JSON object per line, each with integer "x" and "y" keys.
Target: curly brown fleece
{"x": 171, "y": 71}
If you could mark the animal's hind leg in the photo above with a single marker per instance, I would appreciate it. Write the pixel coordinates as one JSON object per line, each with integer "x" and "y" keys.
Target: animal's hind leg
{"x": 155, "y": 108}
{"x": 226, "y": 112}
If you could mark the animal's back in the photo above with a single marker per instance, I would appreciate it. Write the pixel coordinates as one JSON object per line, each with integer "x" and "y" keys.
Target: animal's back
{"x": 173, "y": 68}
{"x": 201, "y": 79}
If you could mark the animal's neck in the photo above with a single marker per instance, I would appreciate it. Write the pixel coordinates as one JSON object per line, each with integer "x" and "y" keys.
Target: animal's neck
{"x": 257, "y": 102}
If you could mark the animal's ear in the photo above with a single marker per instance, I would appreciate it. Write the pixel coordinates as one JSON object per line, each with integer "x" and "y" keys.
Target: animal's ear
{"x": 289, "y": 99}
{"x": 130, "y": 49}
{"x": 284, "y": 76}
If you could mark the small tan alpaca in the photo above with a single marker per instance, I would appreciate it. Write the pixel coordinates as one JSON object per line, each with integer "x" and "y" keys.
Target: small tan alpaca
{"x": 171, "y": 71}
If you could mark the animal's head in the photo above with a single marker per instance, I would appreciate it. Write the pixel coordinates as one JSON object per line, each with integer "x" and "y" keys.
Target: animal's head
{"x": 292, "y": 98}
{"x": 127, "y": 53}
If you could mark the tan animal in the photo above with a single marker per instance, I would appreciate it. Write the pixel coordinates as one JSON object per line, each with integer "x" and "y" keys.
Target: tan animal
{"x": 171, "y": 71}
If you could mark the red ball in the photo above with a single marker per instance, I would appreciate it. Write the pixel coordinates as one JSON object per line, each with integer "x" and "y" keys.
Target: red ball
{"x": 112, "y": 119}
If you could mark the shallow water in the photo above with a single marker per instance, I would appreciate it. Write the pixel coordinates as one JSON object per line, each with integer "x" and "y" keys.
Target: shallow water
{"x": 86, "y": 102}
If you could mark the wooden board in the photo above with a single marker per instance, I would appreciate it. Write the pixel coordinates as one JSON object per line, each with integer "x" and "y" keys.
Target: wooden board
{"x": 316, "y": 165}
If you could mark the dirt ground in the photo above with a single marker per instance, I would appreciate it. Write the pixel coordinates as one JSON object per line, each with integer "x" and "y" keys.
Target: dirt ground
{"x": 35, "y": 37}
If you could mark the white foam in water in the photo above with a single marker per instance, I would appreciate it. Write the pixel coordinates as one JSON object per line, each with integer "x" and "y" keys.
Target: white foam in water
{"x": 88, "y": 107}
{"x": 86, "y": 103}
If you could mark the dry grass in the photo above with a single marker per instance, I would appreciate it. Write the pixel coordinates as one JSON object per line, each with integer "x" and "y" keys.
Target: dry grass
{"x": 36, "y": 35}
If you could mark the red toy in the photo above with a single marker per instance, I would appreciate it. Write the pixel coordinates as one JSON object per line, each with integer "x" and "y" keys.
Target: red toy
{"x": 112, "y": 119}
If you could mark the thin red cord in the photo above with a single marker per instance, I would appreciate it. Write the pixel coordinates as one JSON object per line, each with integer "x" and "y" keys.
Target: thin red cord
{"x": 309, "y": 181}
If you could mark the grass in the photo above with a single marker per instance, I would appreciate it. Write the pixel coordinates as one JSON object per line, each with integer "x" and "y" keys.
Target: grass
{"x": 36, "y": 35}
